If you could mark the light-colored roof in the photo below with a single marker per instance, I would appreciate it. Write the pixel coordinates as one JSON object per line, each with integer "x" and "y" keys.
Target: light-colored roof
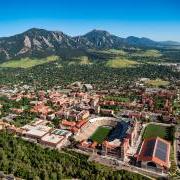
{"x": 38, "y": 131}
{"x": 52, "y": 138}
{"x": 27, "y": 127}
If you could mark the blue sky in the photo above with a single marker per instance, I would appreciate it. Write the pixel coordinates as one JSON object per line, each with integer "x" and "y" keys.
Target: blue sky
{"x": 156, "y": 19}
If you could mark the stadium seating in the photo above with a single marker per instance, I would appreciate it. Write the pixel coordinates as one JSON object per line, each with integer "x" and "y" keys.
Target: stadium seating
{"x": 92, "y": 125}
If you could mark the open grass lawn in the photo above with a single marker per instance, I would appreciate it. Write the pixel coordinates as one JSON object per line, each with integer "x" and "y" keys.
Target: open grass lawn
{"x": 28, "y": 62}
{"x": 163, "y": 132}
{"x": 80, "y": 60}
{"x": 84, "y": 60}
{"x": 109, "y": 51}
{"x": 117, "y": 98}
{"x": 148, "y": 53}
{"x": 100, "y": 134}
{"x": 121, "y": 63}
{"x": 116, "y": 52}
{"x": 157, "y": 83}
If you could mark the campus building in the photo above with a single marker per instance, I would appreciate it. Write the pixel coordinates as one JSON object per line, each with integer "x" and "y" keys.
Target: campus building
{"x": 154, "y": 154}
{"x": 121, "y": 138}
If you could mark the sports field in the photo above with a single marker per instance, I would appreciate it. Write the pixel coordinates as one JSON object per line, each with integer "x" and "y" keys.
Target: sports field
{"x": 100, "y": 134}
{"x": 153, "y": 130}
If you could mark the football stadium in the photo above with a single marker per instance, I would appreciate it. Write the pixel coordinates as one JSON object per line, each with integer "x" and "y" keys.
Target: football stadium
{"x": 108, "y": 136}
{"x": 101, "y": 134}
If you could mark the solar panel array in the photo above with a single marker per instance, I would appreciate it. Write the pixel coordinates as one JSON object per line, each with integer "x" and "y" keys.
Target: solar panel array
{"x": 149, "y": 149}
{"x": 161, "y": 150}
{"x": 119, "y": 131}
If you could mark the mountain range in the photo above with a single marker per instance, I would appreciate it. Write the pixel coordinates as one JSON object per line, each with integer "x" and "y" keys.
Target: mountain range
{"x": 40, "y": 42}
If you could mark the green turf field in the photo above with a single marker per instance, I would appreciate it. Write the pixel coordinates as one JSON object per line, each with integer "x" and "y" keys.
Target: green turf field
{"x": 100, "y": 134}
{"x": 153, "y": 130}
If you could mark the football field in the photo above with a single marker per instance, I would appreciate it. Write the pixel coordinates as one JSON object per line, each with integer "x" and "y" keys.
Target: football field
{"x": 100, "y": 134}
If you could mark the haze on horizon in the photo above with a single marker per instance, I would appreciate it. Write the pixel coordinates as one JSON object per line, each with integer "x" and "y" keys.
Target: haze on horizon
{"x": 155, "y": 19}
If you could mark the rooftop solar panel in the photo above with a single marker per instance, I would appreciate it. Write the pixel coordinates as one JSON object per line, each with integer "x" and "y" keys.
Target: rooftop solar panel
{"x": 161, "y": 150}
{"x": 149, "y": 148}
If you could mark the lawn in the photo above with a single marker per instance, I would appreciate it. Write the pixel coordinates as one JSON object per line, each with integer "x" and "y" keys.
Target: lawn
{"x": 100, "y": 134}
{"x": 117, "y": 98}
{"x": 163, "y": 132}
{"x": 80, "y": 60}
{"x": 148, "y": 53}
{"x": 28, "y": 62}
{"x": 109, "y": 51}
{"x": 115, "y": 52}
{"x": 84, "y": 60}
{"x": 121, "y": 63}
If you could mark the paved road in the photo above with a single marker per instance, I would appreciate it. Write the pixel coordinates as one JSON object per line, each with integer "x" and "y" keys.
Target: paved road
{"x": 112, "y": 162}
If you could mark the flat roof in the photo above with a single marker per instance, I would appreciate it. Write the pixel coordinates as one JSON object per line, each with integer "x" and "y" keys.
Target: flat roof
{"x": 36, "y": 132}
{"x": 60, "y": 132}
{"x": 27, "y": 127}
{"x": 52, "y": 138}
{"x": 39, "y": 130}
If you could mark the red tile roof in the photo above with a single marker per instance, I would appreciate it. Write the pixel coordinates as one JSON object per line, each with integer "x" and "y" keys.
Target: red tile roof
{"x": 68, "y": 123}
{"x": 80, "y": 123}
{"x": 156, "y": 150}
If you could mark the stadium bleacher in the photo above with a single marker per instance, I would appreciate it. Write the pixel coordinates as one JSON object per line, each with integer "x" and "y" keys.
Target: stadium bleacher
{"x": 92, "y": 125}
{"x": 119, "y": 131}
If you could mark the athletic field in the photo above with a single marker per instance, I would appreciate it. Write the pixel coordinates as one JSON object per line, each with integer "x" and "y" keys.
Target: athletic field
{"x": 100, "y": 134}
{"x": 163, "y": 132}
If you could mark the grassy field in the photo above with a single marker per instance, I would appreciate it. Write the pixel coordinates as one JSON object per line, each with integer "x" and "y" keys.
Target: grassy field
{"x": 80, "y": 60}
{"x": 163, "y": 132}
{"x": 157, "y": 83}
{"x": 109, "y": 51}
{"x": 28, "y": 62}
{"x": 117, "y": 98}
{"x": 121, "y": 63}
{"x": 84, "y": 60}
{"x": 100, "y": 134}
{"x": 148, "y": 53}
{"x": 115, "y": 51}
